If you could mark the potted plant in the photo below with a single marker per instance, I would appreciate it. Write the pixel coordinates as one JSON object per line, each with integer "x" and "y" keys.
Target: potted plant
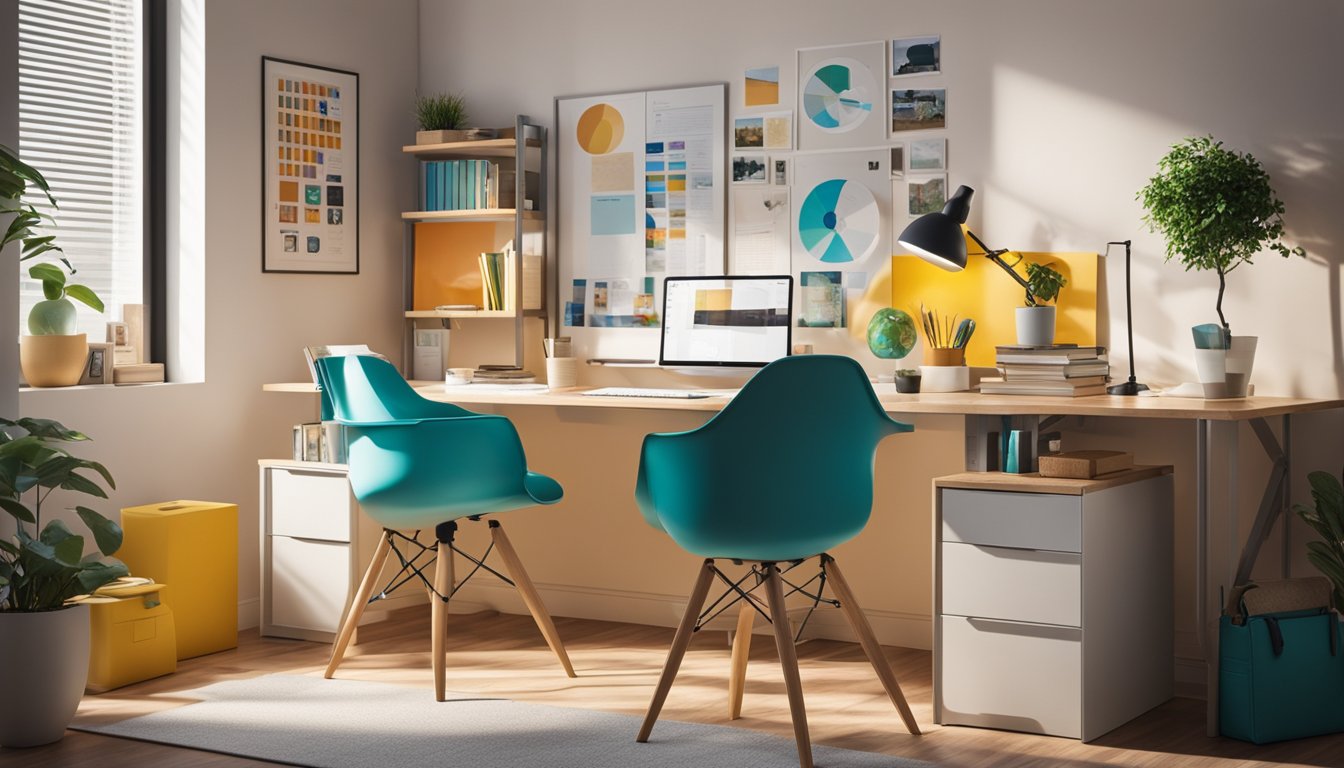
{"x": 1036, "y": 320}
{"x": 442, "y": 117}
{"x": 44, "y": 642}
{"x": 1327, "y": 518}
{"x": 907, "y": 381}
{"x": 1217, "y": 210}
{"x": 53, "y": 354}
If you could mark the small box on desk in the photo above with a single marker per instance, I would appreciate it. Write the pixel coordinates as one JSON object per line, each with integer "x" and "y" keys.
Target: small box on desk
{"x": 1084, "y": 465}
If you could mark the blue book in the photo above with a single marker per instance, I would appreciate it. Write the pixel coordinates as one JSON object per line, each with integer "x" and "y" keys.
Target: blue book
{"x": 431, "y": 187}
{"x": 471, "y": 185}
{"x": 446, "y": 186}
{"x": 461, "y": 184}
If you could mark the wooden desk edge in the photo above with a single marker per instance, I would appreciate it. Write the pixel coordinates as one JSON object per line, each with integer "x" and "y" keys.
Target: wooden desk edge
{"x": 1034, "y": 483}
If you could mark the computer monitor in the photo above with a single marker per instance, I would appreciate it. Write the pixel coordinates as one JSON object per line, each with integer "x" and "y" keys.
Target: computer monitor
{"x": 726, "y": 320}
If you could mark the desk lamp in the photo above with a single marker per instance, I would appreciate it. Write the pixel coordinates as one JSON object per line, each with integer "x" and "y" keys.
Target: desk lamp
{"x": 938, "y": 239}
{"x": 1131, "y": 387}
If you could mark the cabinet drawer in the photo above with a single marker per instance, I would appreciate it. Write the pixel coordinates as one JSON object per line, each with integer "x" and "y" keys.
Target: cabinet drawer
{"x": 1014, "y": 584}
{"x": 1023, "y": 520}
{"x": 310, "y": 583}
{"x": 1020, "y": 677}
{"x": 310, "y": 504}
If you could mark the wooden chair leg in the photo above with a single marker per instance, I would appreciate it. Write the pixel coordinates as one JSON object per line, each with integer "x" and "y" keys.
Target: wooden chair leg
{"x": 788, "y": 660}
{"x": 737, "y": 677}
{"x": 531, "y": 597}
{"x": 678, "y": 650}
{"x": 355, "y": 610}
{"x": 438, "y": 617}
{"x": 868, "y": 640}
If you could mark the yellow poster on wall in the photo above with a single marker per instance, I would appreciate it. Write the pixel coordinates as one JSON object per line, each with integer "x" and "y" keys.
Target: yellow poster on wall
{"x": 987, "y": 294}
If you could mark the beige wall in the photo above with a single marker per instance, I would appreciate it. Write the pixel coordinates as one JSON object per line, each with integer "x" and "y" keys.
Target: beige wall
{"x": 1058, "y": 112}
{"x": 202, "y": 441}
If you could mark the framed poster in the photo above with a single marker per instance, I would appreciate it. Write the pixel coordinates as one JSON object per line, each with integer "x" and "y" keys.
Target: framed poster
{"x": 309, "y": 168}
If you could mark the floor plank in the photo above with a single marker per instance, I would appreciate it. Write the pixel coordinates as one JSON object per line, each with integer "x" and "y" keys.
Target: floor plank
{"x": 618, "y": 665}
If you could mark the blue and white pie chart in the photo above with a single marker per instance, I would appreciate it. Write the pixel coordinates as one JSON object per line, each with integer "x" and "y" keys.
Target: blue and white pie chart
{"x": 838, "y": 221}
{"x": 838, "y": 95}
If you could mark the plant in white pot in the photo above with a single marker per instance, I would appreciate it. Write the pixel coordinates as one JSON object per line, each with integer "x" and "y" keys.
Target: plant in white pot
{"x": 44, "y": 641}
{"x": 1217, "y": 211}
{"x": 53, "y": 353}
{"x": 1036, "y": 320}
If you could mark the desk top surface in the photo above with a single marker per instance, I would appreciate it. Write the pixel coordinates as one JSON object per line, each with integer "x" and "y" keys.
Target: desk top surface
{"x": 952, "y": 403}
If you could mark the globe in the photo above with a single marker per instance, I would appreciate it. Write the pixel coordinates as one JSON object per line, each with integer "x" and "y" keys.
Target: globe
{"x": 891, "y": 334}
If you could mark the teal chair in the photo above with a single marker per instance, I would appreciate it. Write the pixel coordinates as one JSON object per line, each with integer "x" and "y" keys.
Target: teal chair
{"x": 417, "y": 464}
{"x": 783, "y": 474}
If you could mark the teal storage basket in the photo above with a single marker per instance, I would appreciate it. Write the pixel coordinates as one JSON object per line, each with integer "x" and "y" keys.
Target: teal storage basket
{"x": 1266, "y": 696}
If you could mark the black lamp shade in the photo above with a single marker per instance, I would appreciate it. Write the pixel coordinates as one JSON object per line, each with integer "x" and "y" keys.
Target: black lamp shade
{"x": 937, "y": 237}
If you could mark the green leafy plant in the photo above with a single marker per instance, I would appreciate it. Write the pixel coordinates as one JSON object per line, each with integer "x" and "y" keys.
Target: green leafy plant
{"x": 1216, "y": 209}
{"x": 441, "y": 112}
{"x": 907, "y": 372}
{"x": 55, "y": 314}
{"x": 1327, "y": 518}
{"x": 44, "y": 566}
{"x": 1044, "y": 282}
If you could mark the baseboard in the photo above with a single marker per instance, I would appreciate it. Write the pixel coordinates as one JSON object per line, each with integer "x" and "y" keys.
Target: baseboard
{"x": 659, "y": 610}
{"x": 249, "y": 613}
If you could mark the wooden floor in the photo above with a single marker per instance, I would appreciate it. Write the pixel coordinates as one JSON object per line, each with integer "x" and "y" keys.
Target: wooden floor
{"x": 618, "y": 664}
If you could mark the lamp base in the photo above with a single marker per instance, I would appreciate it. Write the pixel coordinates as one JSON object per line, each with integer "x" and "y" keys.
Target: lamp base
{"x": 1130, "y": 387}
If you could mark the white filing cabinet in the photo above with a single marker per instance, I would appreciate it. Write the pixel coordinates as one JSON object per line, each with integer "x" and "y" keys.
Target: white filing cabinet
{"x": 315, "y": 545}
{"x": 1053, "y": 600}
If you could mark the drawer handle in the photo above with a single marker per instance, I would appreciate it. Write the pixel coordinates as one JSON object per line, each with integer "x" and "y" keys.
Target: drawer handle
{"x": 312, "y": 472}
{"x": 1046, "y": 631}
{"x": 310, "y": 540}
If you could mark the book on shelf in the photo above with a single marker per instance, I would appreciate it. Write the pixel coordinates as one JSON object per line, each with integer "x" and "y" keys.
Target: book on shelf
{"x": 319, "y": 351}
{"x": 464, "y": 185}
{"x": 499, "y": 275}
{"x": 1071, "y": 369}
{"x": 322, "y": 441}
{"x": 1064, "y": 388}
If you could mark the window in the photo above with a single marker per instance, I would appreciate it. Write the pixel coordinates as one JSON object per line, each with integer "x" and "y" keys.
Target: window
{"x": 82, "y": 122}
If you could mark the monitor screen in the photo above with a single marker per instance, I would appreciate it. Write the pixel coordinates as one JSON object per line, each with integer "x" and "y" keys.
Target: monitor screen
{"x": 738, "y": 321}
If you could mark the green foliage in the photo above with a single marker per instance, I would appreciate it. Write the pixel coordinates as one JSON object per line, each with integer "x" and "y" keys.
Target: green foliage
{"x": 907, "y": 372}
{"x": 441, "y": 112}
{"x": 1215, "y": 207}
{"x": 1044, "y": 281}
{"x": 15, "y": 177}
{"x": 44, "y": 566}
{"x": 1328, "y": 520}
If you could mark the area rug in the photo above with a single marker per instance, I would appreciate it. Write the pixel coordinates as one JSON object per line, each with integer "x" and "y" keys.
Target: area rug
{"x": 309, "y": 721}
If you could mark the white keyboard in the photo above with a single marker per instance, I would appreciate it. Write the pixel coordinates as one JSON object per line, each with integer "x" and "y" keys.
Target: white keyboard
{"x": 683, "y": 394}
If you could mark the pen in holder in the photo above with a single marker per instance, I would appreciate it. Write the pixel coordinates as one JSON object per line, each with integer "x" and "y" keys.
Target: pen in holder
{"x": 562, "y": 370}
{"x": 945, "y": 341}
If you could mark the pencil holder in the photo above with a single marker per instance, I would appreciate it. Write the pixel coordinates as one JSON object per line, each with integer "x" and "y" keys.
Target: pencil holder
{"x": 562, "y": 372}
{"x": 944, "y": 356}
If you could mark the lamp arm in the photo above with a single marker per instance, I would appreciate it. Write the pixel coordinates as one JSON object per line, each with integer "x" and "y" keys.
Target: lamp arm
{"x": 997, "y": 258}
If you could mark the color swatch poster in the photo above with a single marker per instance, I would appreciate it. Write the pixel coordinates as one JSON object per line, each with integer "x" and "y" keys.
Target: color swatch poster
{"x": 310, "y": 169}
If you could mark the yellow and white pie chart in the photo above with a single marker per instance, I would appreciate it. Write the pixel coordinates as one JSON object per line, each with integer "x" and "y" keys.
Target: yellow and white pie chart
{"x": 600, "y": 129}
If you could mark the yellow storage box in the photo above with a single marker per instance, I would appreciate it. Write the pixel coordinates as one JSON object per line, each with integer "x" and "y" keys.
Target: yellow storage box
{"x": 131, "y": 636}
{"x": 192, "y": 545}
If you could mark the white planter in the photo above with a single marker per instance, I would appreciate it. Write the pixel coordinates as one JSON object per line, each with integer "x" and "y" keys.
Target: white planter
{"x": 1036, "y": 326}
{"x": 1240, "y": 361}
{"x": 1211, "y": 370}
{"x": 944, "y": 378}
{"x": 44, "y": 665}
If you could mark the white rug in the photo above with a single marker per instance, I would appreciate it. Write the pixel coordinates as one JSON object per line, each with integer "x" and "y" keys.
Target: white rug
{"x": 344, "y": 723}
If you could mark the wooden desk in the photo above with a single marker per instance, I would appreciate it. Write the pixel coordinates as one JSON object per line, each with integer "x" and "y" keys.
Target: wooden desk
{"x": 1254, "y": 411}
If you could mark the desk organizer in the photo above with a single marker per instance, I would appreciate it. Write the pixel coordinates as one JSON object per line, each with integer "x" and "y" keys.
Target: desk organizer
{"x": 945, "y": 378}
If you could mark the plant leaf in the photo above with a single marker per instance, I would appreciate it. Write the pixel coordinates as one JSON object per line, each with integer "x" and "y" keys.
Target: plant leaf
{"x": 81, "y": 484}
{"x": 86, "y": 295}
{"x": 47, "y": 273}
{"x": 94, "y": 575}
{"x": 106, "y": 534}
{"x": 70, "y": 550}
{"x": 18, "y": 510}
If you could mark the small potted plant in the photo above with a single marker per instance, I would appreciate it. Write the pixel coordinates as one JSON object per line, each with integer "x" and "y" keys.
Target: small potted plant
{"x": 442, "y": 118}
{"x": 1327, "y": 519}
{"x": 1036, "y": 320}
{"x": 53, "y": 354}
{"x": 1217, "y": 211}
{"x": 44, "y": 641}
{"x": 907, "y": 381}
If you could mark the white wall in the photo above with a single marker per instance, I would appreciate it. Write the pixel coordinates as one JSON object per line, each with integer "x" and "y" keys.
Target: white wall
{"x": 202, "y": 441}
{"x": 1058, "y": 112}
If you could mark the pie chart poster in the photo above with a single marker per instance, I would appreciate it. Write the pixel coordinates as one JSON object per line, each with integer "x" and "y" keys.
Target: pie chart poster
{"x": 842, "y": 209}
{"x": 842, "y": 96}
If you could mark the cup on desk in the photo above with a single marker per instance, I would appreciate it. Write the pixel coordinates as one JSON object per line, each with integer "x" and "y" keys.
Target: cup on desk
{"x": 457, "y": 377}
{"x": 562, "y": 372}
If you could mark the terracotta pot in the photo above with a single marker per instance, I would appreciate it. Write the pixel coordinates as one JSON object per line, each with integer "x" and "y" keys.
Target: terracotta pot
{"x": 45, "y": 667}
{"x": 944, "y": 356}
{"x": 53, "y": 361}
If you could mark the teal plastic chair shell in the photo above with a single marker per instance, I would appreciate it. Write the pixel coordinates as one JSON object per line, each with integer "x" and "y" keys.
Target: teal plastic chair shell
{"x": 783, "y": 473}
{"x": 416, "y": 463}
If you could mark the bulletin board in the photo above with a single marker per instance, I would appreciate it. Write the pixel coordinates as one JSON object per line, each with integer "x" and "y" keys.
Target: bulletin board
{"x": 985, "y": 293}
{"x": 642, "y": 194}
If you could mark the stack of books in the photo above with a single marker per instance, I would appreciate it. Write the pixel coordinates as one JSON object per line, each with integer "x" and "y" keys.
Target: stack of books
{"x": 460, "y": 185}
{"x": 1062, "y": 369}
{"x": 498, "y": 275}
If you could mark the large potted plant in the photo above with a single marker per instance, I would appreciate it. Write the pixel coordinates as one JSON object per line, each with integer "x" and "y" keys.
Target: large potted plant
{"x": 1327, "y": 518}
{"x": 1036, "y": 320}
{"x": 52, "y": 354}
{"x": 44, "y": 642}
{"x": 1217, "y": 211}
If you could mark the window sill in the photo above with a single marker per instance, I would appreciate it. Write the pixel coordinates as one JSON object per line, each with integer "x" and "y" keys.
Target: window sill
{"x": 25, "y": 389}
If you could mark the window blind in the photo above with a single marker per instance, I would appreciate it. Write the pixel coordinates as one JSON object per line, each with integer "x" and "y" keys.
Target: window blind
{"x": 81, "y": 125}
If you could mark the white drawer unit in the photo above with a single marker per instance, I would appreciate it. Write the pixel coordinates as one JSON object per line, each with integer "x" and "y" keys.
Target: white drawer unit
{"x": 315, "y": 545}
{"x": 1052, "y": 600}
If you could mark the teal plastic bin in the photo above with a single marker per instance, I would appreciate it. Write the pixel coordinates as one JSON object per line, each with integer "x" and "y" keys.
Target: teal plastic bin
{"x": 1281, "y": 676}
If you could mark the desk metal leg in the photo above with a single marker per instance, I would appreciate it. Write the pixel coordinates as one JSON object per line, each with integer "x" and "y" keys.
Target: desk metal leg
{"x": 1286, "y": 508}
{"x": 1206, "y": 643}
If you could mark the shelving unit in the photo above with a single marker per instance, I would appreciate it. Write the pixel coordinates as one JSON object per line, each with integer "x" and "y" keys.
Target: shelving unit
{"x": 442, "y": 248}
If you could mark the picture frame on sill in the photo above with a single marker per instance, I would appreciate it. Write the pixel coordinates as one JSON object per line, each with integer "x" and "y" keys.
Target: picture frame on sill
{"x": 98, "y": 366}
{"x": 310, "y": 168}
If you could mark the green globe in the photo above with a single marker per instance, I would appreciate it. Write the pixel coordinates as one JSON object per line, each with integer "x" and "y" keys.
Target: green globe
{"x": 891, "y": 334}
